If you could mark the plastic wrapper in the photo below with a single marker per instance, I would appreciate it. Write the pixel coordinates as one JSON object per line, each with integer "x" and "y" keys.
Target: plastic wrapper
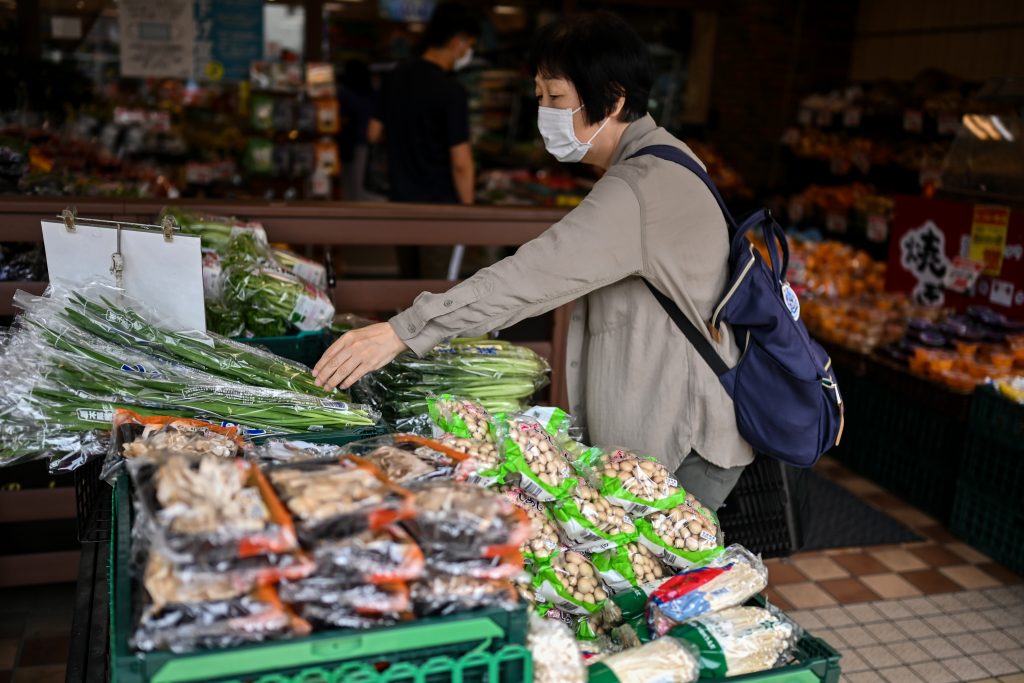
{"x": 661, "y": 661}
{"x": 253, "y": 618}
{"x": 729, "y": 580}
{"x": 367, "y": 600}
{"x": 305, "y": 269}
{"x": 385, "y": 556}
{"x": 570, "y": 583}
{"x": 462, "y": 418}
{"x": 205, "y": 508}
{"x": 215, "y": 232}
{"x": 535, "y": 461}
{"x": 407, "y": 459}
{"x": 556, "y": 657}
{"x": 438, "y": 593}
{"x": 738, "y": 640}
{"x": 457, "y": 522}
{"x": 336, "y": 499}
{"x": 274, "y": 301}
{"x": 281, "y": 451}
{"x": 627, "y": 567}
{"x": 639, "y": 484}
{"x": 167, "y": 583}
{"x": 483, "y": 465}
{"x": 683, "y": 537}
{"x": 590, "y": 523}
{"x": 544, "y": 541}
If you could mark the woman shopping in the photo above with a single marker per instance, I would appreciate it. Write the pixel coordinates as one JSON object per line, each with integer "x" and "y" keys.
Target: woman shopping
{"x": 633, "y": 378}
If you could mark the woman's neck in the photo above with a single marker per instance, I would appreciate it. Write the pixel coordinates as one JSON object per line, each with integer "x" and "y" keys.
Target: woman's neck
{"x": 602, "y": 150}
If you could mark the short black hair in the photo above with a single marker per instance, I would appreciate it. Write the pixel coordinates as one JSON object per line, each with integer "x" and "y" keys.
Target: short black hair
{"x": 449, "y": 20}
{"x": 604, "y": 59}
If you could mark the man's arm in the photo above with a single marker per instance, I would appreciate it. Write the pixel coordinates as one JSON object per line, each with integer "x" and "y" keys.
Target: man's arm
{"x": 375, "y": 131}
{"x": 464, "y": 172}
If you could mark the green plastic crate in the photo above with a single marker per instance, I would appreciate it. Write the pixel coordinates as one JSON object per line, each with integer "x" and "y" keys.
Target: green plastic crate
{"x": 337, "y": 437}
{"x": 992, "y": 524}
{"x": 303, "y": 347}
{"x": 482, "y": 645}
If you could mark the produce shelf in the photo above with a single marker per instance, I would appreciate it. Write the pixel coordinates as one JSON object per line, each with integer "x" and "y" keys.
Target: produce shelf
{"x": 989, "y": 524}
{"x": 302, "y": 347}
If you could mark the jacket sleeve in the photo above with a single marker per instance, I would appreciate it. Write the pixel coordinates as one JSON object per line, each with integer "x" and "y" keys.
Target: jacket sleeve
{"x": 597, "y": 243}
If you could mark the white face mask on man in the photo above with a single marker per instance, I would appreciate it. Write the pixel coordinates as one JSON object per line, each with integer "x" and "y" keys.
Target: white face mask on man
{"x": 560, "y": 136}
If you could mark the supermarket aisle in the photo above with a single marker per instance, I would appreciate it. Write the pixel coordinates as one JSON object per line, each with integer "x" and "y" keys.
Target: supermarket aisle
{"x": 935, "y": 610}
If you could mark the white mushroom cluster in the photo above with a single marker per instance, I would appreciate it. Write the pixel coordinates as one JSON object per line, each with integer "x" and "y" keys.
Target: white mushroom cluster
{"x": 542, "y": 455}
{"x": 578, "y": 577}
{"x": 609, "y": 519}
{"x": 684, "y": 528}
{"x": 645, "y": 478}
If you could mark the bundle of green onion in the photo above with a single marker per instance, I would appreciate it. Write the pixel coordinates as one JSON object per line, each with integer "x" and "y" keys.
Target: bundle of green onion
{"x": 215, "y": 232}
{"x": 498, "y": 374}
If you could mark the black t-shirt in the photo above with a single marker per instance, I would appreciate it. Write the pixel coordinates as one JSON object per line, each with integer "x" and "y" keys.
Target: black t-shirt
{"x": 425, "y": 113}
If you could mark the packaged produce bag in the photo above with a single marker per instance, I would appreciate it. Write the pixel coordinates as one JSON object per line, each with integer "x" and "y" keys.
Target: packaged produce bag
{"x": 336, "y": 603}
{"x": 544, "y": 541}
{"x": 590, "y": 523}
{"x": 682, "y": 537}
{"x": 729, "y": 580}
{"x": 407, "y": 459}
{"x": 438, "y": 593}
{"x": 738, "y": 640}
{"x": 556, "y": 657}
{"x": 461, "y": 417}
{"x": 385, "y": 556}
{"x": 639, "y": 484}
{"x": 535, "y": 461}
{"x": 483, "y": 464}
{"x": 629, "y": 566}
{"x": 660, "y": 661}
{"x": 570, "y": 583}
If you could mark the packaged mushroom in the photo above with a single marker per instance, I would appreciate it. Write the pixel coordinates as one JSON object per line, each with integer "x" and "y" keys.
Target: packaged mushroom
{"x": 640, "y": 484}
{"x": 383, "y": 556}
{"x": 660, "y": 661}
{"x": 339, "y": 498}
{"x": 459, "y": 522}
{"x": 438, "y": 593}
{"x": 535, "y": 461}
{"x": 462, "y": 418}
{"x": 738, "y": 640}
{"x": 729, "y": 580}
{"x": 544, "y": 541}
{"x": 590, "y": 523}
{"x": 570, "y": 583}
{"x": 482, "y": 465}
{"x": 629, "y": 566}
{"x": 555, "y": 654}
{"x": 683, "y": 537}
{"x": 337, "y": 603}
{"x": 408, "y": 458}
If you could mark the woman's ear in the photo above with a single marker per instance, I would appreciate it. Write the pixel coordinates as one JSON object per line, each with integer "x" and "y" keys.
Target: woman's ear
{"x": 619, "y": 106}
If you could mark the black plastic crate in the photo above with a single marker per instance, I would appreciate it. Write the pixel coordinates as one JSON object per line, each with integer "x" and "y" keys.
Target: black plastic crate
{"x": 991, "y": 524}
{"x": 994, "y": 457}
{"x": 998, "y": 418}
{"x": 765, "y": 511}
{"x": 92, "y": 503}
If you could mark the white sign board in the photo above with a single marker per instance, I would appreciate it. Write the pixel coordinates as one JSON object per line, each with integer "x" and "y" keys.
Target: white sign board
{"x": 165, "y": 276}
{"x": 157, "y": 38}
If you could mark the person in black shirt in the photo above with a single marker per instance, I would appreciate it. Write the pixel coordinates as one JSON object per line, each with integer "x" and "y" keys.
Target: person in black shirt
{"x": 423, "y": 113}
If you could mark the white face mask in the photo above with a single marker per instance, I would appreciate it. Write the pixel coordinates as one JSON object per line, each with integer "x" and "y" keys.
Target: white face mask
{"x": 463, "y": 61}
{"x": 559, "y": 135}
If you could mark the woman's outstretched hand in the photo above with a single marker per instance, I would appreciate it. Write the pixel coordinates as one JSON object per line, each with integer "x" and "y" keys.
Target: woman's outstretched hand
{"x": 357, "y": 353}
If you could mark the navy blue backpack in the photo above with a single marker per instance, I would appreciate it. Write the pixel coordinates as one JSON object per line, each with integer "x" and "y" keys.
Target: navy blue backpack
{"x": 787, "y": 400}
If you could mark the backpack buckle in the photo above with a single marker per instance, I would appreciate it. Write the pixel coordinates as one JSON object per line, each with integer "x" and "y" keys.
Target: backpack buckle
{"x": 833, "y": 387}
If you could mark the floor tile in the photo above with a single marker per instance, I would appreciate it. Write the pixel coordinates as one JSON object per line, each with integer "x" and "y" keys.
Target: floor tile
{"x": 900, "y": 674}
{"x": 950, "y": 602}
{"x": 886, "y": 500}
{"x": 909, "y": 653}
{"x": 968, "y": 553}
{"x": 1012, "y": 678}
{"x": 934, "y": 672}
{"x": 878, "y": 656}
{"x": 865, "y": 614}
{"x": 805, "y": 595}
{"x": 819, "y": 568}
{"x": 996, "y": 664}
{"x": 861, "y": 486}
{"x": 774, "y": 598}
{"x": 856, "y": 636}
{"x": 862, "y": 677}
{"x": 921, "y": 607}
{"x": 893, "y": 609}
{"x": 40, "y": 674}
{"x": 1016, "y": 656}
{"x": 6, "y": 676}
{"x": 890, "y": 586}
{"x": 937, "y": 533}
{"x": 937, "y": 556}
{"x": 848, "y": 591}
{"x": 931, "y": 581}
{"x": 886, "y": 632}
{"x": 998, "y": 640}
{"x": 978, "y": 600}
{"x": 834, "y": 617}
{"x": 915, "y": 628}
{"x": 970, "y": 577}
{"x": 946, "y": 625}
{"x": 808, "y": 619}
{"x": 899, "y": 560}
{"x": 964, "y": 669}
{"x": 971, "y": 644}
{"x": 781, "y": 573}
{"x": 12, "y": 624}
{"x": 1002, "y": 595}
{"x": 860, "y": 564}
{"x": 1003, "y": 618}
{"x": 938, "y": 647}
{"x": 853, "y": 662}
{"x": 915, "y": 519}
{"x": 8, "y": 652}
{"x": 1000, "y": 572}
{"x": 43, "y": 651}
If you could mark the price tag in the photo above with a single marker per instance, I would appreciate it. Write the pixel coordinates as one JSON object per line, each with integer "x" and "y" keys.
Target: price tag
{"x": 804, "y": 117}
{"x": 796, "y": 210}
{"x": 962, "y": 277}
{"x": 913, "y": 120}
{"x": 837, "y": 222}
{"x": 851, "y": 117}
{"x": 878, "y": 228}
{"x": 949, "y": 124}
{"x": 824, "y": 118}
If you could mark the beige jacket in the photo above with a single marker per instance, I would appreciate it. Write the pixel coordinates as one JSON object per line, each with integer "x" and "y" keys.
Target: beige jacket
{"x": 633, "y": 378}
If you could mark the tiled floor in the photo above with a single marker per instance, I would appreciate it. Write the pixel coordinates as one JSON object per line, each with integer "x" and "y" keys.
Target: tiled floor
{"x": 936, "y": 611}
{"x": 35, "y": 629}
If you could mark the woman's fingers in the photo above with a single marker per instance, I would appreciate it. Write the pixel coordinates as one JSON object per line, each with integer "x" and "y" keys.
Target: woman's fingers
{"x": 333, "y": 350}
{"x": 357, "y": 353}
{"x": 342, "y": 372}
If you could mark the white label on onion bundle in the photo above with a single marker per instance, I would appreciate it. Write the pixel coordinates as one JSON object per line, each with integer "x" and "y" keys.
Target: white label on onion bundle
{"x": 311, "y": 272}
{"x": 88, "y": 415}
{"x": 123, "y": 320}
{"x": 311, "y": 313}
{"x": 336, "y": 405}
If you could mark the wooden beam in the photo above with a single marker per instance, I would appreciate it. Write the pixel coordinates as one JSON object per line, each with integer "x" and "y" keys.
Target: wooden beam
{"x": 32, "y": 505}
{"x": 37, "y": 569}
{"x": 7, "y": 290}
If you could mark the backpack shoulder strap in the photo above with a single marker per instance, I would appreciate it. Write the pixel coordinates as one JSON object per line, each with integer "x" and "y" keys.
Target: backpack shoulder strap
{"x": 676, "y": 155}
{"x": 694, "y": 335}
